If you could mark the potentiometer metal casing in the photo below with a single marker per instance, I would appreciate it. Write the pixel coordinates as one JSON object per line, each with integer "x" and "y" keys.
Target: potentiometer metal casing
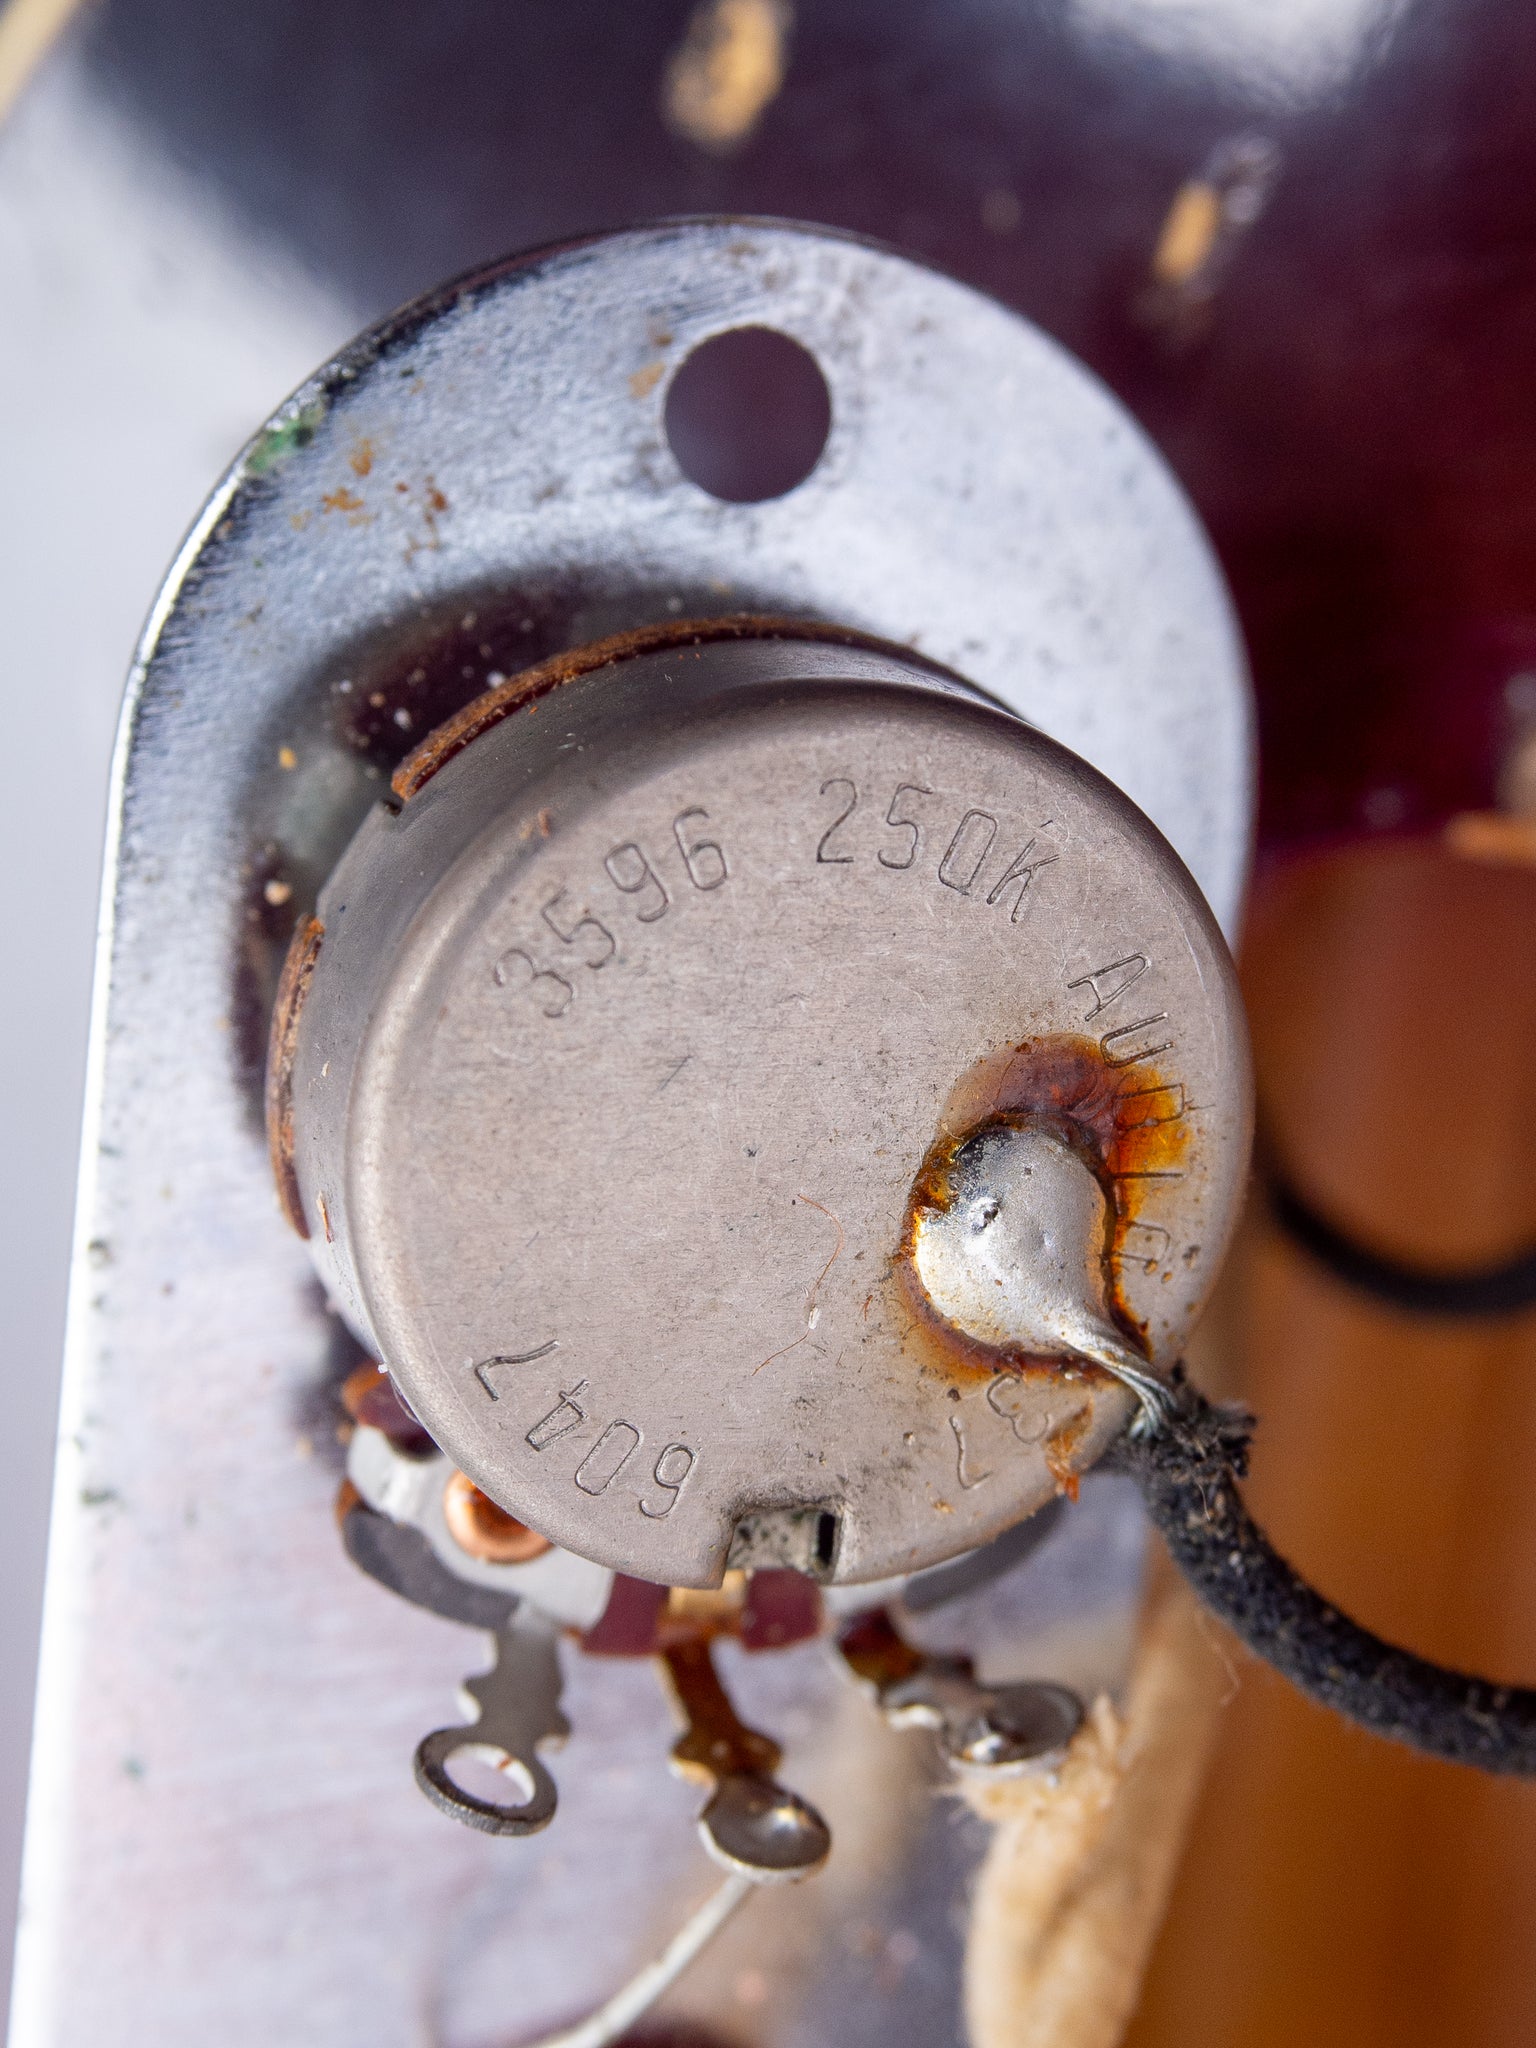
{"x": 610, "y": 1064}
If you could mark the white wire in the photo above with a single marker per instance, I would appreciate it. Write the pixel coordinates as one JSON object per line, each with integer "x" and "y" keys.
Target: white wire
{"x": 614, "y": 2019}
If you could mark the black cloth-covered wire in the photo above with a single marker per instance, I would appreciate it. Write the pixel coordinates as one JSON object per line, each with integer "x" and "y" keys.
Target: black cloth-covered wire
{"x": 1188, "y": 1471}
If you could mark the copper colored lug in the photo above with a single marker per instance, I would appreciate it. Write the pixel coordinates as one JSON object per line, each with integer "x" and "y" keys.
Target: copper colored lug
{"x": 485, "y": 1531}
{"x": 698, "y": 1614}
{"x": 371, "y": 1400}
{"x": 347, "y": 1498}
{"x": 361, "y": 1387}
{"x": 877, "y": 1653}
{"x": 750, "y": 1823}
{"x": 715, "y": 1744}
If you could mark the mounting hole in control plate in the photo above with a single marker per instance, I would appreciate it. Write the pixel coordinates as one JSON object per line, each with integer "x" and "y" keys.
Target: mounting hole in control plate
{"x": 748, "y": 415}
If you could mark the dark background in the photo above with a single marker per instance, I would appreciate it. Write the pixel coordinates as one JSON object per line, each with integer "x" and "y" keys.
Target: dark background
{"x": 1352, "y": 410}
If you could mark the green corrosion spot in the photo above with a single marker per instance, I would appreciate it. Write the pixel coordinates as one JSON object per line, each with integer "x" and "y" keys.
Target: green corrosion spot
{"x": 278, "y": 443}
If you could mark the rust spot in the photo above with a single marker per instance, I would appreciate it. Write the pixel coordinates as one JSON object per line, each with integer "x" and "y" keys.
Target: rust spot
{"x": 1127, "y": 1123}
{"x": 483, "y": 1530}
{"x": 361, "y": 457}
{"x": 341, "y": 500}
{"x": 1129, "y": 1120}
{"x": 1061, "y": 1446}
{"x": 643, "y": 382}
{"x": 523, "y": 690}
{"x": 298, "y": 972}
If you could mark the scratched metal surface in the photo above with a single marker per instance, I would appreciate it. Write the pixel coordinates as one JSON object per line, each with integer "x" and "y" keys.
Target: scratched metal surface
{"x": 224, "y": 1837}
{"x": 682, "y": 1192}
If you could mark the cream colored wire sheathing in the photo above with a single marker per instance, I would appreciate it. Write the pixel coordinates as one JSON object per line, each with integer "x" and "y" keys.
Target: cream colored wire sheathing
{"x": 28, "y": 30}
{"x": 1077, "y": 1876}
